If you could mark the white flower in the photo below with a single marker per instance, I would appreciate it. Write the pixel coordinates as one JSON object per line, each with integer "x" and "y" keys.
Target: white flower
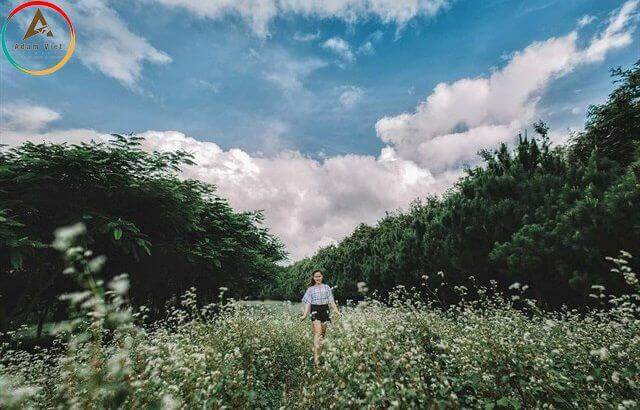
{"x": 169, "y": 403}
{"x": 120, "y": 284}
{"x": 615, "y": 377}
{"x": 65, "y": 236}
{"x": 362, "y": 287}
{"x": 603, "y": 353}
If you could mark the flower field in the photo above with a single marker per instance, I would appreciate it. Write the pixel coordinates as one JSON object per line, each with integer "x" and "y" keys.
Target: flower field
{"x": 490, "y": 351}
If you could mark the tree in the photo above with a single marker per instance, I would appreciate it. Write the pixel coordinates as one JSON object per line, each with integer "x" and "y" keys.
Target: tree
{"x": 168, "y": 233}
{"x": 613, "y": 128}
{"x": 534, "y": 214}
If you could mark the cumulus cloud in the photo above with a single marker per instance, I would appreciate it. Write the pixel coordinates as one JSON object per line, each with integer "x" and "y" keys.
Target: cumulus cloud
{"x": 340, "y": 47}
{"x": 350, "y": 95}
{"x": 26, "y": 117}
{"x": 24, "y": 121}
{"x": 307, "y": 203}
{"x": 106, "y": 43}
{"x": 458, "y": 118}
{"x": 257, "y": 14}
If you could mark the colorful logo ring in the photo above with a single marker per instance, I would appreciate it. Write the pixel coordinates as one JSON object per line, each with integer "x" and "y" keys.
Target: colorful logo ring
{"x": 72, "y": 41}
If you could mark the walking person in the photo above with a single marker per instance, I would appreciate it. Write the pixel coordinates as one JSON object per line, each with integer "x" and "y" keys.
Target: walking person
{"x": 316, "y": 301}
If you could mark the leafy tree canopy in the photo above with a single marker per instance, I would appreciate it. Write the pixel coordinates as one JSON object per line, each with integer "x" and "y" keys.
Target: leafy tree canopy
{"x": 168, "y": 233}
{"x": 532, "y": 214}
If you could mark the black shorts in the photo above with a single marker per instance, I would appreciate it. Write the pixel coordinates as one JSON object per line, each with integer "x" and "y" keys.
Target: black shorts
{"x": 320, "y": 312}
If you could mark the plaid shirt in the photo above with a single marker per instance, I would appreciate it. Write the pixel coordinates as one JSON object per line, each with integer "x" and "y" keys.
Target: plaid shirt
{"x": 318, "y": 295}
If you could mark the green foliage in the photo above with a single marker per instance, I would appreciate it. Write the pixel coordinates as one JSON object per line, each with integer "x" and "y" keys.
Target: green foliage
{"x": 168, "y": 233}
{"x": 534, "y": 214}
{"x": 613, "y": 128}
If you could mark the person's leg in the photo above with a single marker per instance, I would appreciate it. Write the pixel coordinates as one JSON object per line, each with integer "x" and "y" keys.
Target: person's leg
{"x": 317, "y": 341}
{"x": 324, "y": 328}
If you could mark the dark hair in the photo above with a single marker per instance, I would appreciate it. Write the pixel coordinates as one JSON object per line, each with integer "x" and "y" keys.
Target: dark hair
{"x": 311, "y": 281}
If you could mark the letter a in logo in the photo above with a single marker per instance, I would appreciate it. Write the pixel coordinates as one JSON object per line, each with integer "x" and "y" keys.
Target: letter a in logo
{"x": 38, "y": 26}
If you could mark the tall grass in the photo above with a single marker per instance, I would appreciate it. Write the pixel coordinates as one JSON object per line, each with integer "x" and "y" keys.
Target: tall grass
{"x": 489, "y": 351}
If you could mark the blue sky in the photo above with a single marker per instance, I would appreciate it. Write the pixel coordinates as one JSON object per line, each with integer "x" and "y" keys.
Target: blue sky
{"x": 290, "y": 90}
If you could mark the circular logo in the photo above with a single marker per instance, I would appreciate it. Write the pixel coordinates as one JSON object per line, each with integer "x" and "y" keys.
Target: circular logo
{"x": 39, "y": 38}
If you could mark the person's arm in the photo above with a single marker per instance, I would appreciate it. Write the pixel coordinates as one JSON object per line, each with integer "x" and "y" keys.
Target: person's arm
{"x": 306, "y": 305}
{"x": 306, "y": 308}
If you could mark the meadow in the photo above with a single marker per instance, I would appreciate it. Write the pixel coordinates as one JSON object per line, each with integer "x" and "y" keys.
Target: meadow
{"x": 490, "y": 351}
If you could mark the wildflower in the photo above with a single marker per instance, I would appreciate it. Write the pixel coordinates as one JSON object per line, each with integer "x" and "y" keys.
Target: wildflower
{"x": 615, "y": 376}
{"x": 362, "y": 287}
{"x": 119, "y": 284}
{"x": 96, "y": 264}
{"x": 64, "y": 237}
{"x": 169, "y": 403}
{"x": 603, "y": 353}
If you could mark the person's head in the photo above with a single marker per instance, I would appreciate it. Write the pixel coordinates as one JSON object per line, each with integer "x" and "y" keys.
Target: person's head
{"x": 316, "y": 277}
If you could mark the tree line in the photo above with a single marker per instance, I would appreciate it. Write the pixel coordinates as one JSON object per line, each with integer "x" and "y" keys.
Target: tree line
{"x": 169, "y": 234}
{"x": 542, "y": 215}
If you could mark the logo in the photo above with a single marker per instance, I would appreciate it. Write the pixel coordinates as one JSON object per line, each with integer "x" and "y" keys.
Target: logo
{"x": 38, "y": 18}
{"x": 38, "y": 51}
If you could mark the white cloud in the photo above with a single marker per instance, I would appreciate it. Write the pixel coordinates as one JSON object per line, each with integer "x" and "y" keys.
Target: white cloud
{"x": 26, "y": 122}
{"x": 585, "y": 20}
{"x": 106, "y": 44}
{"x": 617, "y": 34}
{"x": 307, "y": 203}
{"x": 367, "y": 47}
{"x": 26, "y": 117}
{"x": 561, "y": 136}
{"x": 306, "y": 37}
{"x": 350, "y": 95}
{"x": 205, "y": 85}
{"x": 286, "y": 71}
{"x": 339, "y": 47}
{"x": 258, "y": 14}
{"x": 459, "y": 118}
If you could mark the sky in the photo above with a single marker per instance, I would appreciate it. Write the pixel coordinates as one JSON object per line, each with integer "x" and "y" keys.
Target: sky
{"x": 322, "y": 114}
